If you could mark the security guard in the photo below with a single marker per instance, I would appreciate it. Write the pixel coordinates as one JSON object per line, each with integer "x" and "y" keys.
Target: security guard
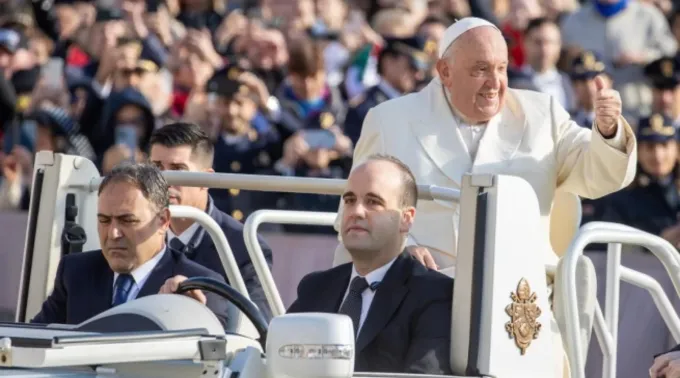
{"x": 402, "y": 64}
{"x": 652, "y": 202}
{"x": 247, "y": 143}
{"x": 584, "y": 68}
{"x": 664, "y": 76}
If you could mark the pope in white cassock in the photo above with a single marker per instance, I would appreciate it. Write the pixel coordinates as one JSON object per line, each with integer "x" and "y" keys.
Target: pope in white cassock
{"x": 468, "y": 120}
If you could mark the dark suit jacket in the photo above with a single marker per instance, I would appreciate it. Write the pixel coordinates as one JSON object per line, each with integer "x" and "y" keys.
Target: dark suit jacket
{"x": 83, "y": 287}
{"x": 408, "y": 327}
{"x": 206, "y": 255}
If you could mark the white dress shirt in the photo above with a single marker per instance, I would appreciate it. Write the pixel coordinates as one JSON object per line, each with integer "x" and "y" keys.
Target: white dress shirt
{"x": 186, "y": 235}
{"x": 140, "y": 275}
{"x": 388, "y": 89}
{"x": 368, "y": 294}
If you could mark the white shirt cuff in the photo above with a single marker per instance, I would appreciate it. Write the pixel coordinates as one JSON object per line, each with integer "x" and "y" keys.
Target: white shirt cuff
{"x": 617, "y": 141}
{"x": 101, "y": 91}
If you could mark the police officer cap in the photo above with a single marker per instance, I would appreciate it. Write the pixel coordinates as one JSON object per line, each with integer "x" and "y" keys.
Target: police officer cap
{"x": 656, "y": 128}
{"x": 663, "y": 73}
{"x": 413, "y": 48}
{"x": 587, "y": 65}
{"x": 225, "y": 82}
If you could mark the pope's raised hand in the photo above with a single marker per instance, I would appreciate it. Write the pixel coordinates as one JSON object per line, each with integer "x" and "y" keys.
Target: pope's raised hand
{"x": 607, "y": 108}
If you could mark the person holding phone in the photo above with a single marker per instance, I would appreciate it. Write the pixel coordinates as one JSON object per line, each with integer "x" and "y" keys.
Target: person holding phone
{"x": 322, "y": 151}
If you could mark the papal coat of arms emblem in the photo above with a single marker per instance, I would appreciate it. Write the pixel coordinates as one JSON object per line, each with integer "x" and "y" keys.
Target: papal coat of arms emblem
{"x": 524, "y": 313}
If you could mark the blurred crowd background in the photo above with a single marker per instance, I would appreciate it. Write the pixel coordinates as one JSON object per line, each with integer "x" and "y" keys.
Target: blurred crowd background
{"x": 283, "y": 86}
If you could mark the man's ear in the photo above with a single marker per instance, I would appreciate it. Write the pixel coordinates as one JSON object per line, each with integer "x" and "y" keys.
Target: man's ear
{"x": 208, "y": 170}
{"x": 408, "y": 216}
{"x": 443, "y": 70}
{"x": 164, "y": 219}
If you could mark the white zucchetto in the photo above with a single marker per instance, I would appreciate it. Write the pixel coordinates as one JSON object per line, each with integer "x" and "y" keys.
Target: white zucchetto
{"x": 458, "y": 28}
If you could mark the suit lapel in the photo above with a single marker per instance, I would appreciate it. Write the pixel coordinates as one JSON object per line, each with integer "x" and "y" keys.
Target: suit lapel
{"x": 502, "y": 137}
{"x": 102, "y": 284}
{"x": 333, "y": 293}
{"x": 389, "y": 295}
{"x": 161, "y": 272}
{"x": 439, "y": 135}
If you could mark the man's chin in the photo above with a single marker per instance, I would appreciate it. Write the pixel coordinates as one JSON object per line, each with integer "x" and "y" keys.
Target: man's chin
{"x": 356, "y": 247}
{"x": 118, "y": 262}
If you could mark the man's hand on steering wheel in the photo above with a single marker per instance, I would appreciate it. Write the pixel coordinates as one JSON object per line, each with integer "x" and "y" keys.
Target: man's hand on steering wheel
{"x": 171, "y": 284}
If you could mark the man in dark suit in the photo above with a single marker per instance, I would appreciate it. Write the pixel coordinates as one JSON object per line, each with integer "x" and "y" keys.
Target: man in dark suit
{"x": 134, "y": 261}
{"x": 401, "y": 310}
{"x": 186, "y": 147}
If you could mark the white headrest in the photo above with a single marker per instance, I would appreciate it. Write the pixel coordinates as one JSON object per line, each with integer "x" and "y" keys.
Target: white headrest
{"x": 458, "y": 28}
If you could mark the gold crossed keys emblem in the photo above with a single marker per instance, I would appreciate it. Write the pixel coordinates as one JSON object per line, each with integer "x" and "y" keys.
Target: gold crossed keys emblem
{"x": 524, "y": 312}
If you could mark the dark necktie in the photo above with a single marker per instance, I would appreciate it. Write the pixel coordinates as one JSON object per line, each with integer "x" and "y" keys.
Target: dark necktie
{"x": 177, "y": 245}
{"x": 122, "y": 288}
{"x": 352, "y": 304}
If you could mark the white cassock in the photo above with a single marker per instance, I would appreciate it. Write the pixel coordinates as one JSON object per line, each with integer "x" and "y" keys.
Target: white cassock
{"x": 532, "y": 137}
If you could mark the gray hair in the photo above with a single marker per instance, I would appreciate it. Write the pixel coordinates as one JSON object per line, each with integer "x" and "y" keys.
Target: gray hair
{"x": 145, "y": 177}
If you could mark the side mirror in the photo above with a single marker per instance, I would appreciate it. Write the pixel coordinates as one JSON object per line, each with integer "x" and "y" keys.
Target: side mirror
{"x": 310, "y": 345}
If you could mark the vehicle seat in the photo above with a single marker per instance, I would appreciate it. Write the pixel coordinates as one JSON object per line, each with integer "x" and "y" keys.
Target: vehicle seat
{"x": 565, "y": 221}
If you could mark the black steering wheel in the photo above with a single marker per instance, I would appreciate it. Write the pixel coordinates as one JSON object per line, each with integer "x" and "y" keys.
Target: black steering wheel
{"x": 227, "y": 292}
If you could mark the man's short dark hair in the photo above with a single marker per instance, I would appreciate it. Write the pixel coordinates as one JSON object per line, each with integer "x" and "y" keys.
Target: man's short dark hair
{"x": 409, "y": 195}
{"x": 305, "y": 57}
{"x": 186, "y": 134}
{"x": 145, "y": 177}
{"x": 536, "y": 23}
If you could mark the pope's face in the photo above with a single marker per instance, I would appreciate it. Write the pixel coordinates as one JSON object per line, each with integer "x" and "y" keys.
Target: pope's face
{"x": 475, "y": 73}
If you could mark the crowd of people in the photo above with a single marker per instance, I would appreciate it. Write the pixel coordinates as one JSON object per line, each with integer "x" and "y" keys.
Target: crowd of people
{"x": 289, "y": 88}
{"x": 283, "y": 87}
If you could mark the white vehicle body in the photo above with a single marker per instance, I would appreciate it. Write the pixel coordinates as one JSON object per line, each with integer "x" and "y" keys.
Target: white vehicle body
{"x": 178, "y": 337}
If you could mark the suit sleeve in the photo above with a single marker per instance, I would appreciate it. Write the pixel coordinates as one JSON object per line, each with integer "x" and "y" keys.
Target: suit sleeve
{"x": 429, "y": 347}
{"x": 589, "y": 165}
{"x": 250, "y": 278}
{"x": 370, "y": 142}
{"x": 297, "y": 306}
{"x": 54, "y": 308}
{"x": 675, "y": 349}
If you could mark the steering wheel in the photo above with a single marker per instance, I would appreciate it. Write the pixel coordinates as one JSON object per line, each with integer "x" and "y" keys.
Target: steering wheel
{"x": 227, "y": 292}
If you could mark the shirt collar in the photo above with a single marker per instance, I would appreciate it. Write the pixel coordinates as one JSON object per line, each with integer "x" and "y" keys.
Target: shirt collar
{"x": 186, "y": 236}
{"x": 388, "y": 89}
{"x": 375, "y": 276}
{"x": 142, "y": 272}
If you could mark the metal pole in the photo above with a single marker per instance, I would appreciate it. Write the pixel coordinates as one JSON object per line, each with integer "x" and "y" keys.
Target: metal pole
{"x": 268, "y": 183}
